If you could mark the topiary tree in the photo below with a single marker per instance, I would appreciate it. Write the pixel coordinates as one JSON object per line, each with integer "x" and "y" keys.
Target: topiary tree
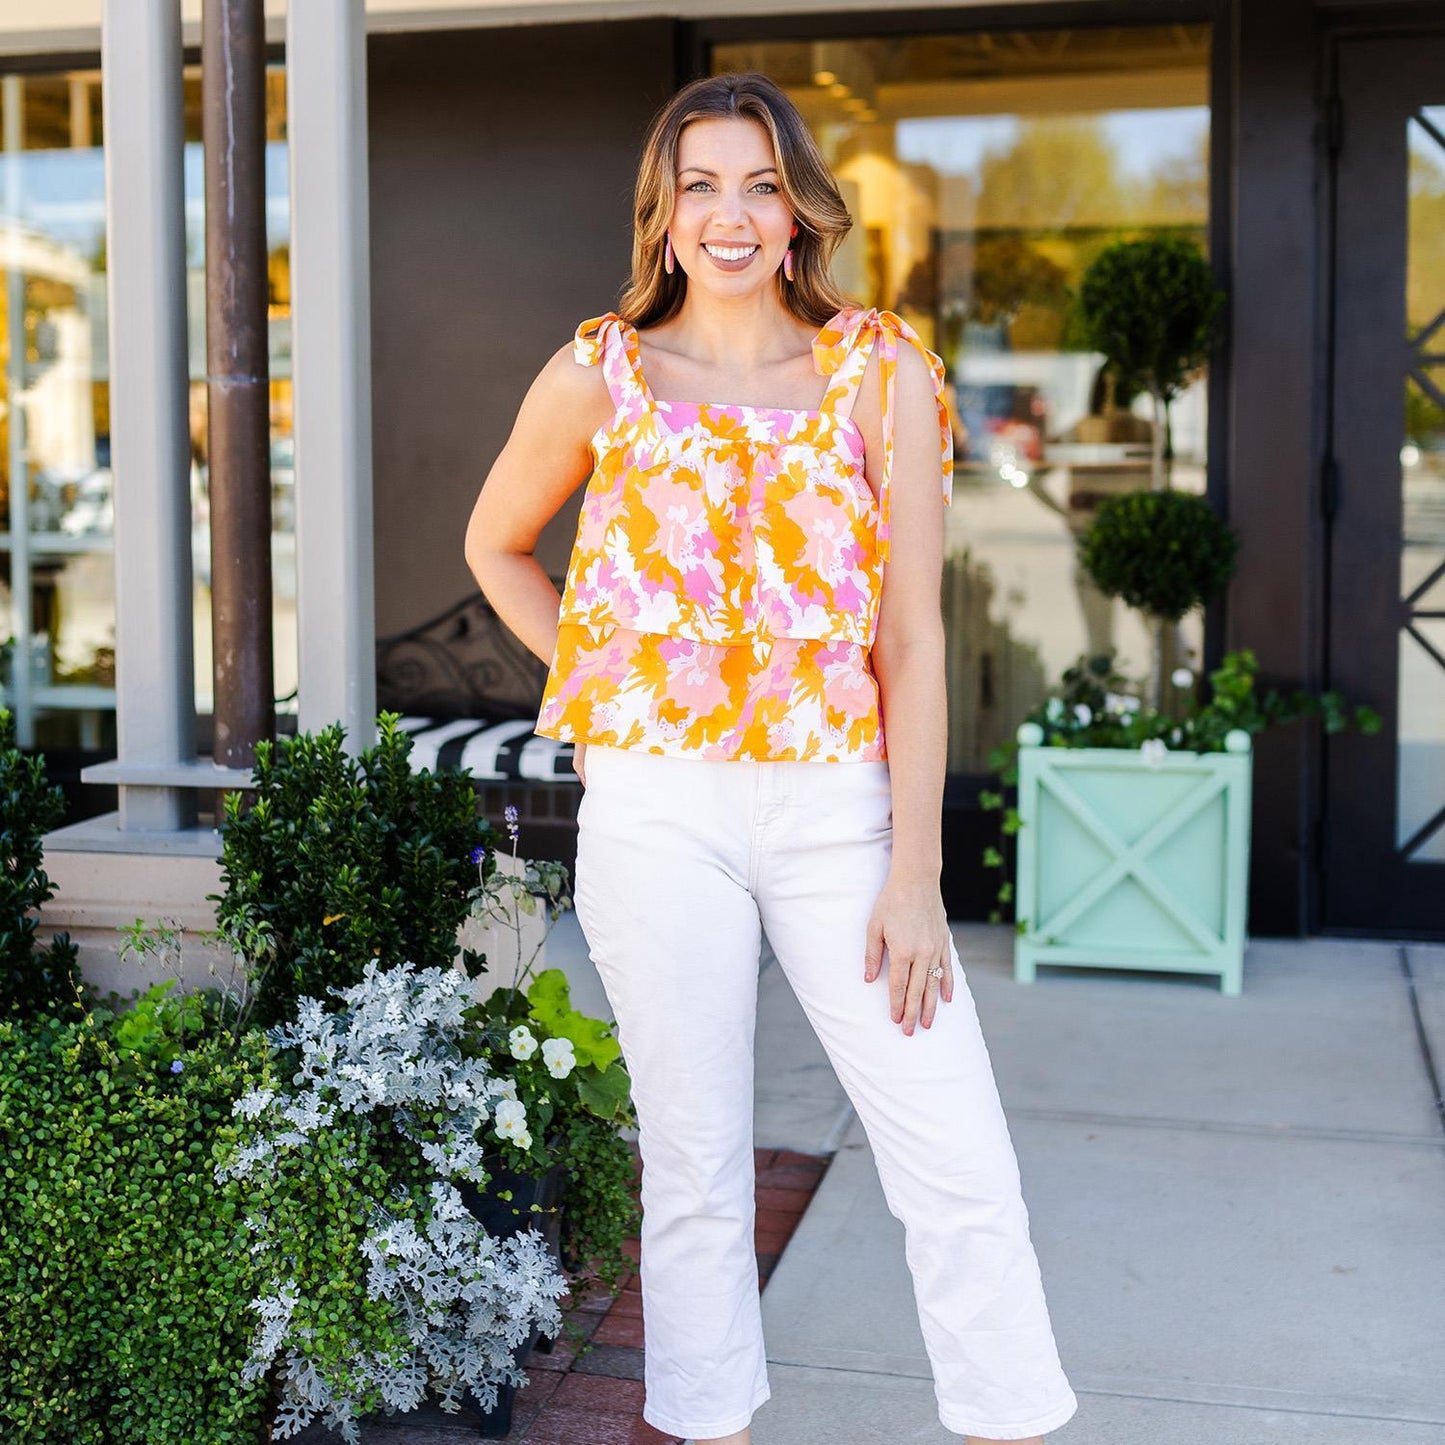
{"x": 1165, "y": 553}
{"x": 33, "y": 979}
{"x": 343, "y": 861}
{"x": 1151, "y": 306}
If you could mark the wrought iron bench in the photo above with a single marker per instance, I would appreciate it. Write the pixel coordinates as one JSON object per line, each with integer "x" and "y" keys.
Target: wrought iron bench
{"x": 468, "y": 692}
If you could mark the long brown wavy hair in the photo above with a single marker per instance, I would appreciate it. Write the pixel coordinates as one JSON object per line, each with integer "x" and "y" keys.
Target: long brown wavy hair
{"x": 651, "y": 295}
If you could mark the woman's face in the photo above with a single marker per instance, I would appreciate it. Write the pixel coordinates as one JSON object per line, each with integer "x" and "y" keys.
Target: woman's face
{"x": 730, "y": 222}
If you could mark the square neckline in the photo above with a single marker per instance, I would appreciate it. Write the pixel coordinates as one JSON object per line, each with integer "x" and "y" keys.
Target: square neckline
{"x": 634, "y": 356}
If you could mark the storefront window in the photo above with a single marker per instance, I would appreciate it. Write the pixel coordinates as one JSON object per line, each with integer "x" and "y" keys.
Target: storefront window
{"x": 57, "y": 587}
{"x": 984, "y": 172}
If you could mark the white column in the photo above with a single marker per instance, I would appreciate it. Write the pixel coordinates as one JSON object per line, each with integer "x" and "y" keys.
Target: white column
{"x": 331, "y": 365}
{"x": 21, "y": 621}
{"x": 150, "y": 437}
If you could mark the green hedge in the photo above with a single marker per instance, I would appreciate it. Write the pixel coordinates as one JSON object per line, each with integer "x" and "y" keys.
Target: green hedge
{"x": 33, "y": 979}
{"x": 124, "y": 1276}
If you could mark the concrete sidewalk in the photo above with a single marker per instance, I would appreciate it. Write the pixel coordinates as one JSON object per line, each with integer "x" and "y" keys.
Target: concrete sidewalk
{"x": 1238, "y": 1204}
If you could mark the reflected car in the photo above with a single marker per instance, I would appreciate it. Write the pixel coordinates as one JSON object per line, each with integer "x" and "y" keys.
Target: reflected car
{"x": 1006, "y": 422}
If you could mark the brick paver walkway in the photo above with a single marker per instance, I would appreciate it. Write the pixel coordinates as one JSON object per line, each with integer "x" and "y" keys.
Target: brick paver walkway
{"x": 589, "y": 1392}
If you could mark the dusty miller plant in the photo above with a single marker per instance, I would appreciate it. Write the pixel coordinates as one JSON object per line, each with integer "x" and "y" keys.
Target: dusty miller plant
{"x": 379, "y": 1284}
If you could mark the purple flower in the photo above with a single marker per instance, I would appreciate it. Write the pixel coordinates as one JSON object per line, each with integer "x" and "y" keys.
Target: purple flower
{"x": 479, "y": 855}
{"x": 510, "y": 814}
{"x": 177, "y": 1066}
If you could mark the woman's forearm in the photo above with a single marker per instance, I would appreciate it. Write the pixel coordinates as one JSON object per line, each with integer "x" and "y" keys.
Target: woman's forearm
{"x": 914, "y": 699}
{"x": 523, "y": 596}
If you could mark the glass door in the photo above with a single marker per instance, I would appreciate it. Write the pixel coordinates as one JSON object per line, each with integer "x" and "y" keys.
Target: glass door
{"x": 984, "y": 171}
{"x": 1384, "y": 854}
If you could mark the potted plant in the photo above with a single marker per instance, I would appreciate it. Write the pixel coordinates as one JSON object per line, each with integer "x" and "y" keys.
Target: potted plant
{"x": 438, "y": 1156}
{"x": 1132, "y": 825}
{"x": 403, "y": 1174}
{"x": 263, "y": 1227}
{"x": 378, "y": 1285}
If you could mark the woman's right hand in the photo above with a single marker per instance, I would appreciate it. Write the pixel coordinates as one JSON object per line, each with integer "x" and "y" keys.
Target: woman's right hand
{"x": 579, "y": 761}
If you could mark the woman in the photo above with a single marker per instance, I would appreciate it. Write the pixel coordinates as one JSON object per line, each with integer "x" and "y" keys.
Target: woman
{"x": 727, "y": 645}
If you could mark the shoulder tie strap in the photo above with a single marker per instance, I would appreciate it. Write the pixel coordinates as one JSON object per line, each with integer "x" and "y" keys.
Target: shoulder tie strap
{"x": 836, "y": 342}
{"x": 608, "y": 340}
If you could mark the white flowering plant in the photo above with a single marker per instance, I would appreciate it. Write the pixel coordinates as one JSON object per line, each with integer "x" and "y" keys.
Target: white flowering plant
{"x": 1097, "y": 707}
{"x": 571, "y": 1094}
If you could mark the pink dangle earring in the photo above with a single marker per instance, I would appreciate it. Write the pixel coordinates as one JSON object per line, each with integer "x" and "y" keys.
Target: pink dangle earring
{"x": 667, "y": 256}
{"x": 788, "y": 257}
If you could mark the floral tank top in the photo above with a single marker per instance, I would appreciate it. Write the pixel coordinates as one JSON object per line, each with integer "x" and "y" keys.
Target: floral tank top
{"x": 723, "y": 592}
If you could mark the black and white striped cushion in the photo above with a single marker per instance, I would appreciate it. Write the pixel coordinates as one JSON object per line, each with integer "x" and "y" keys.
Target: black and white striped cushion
{"x": 493, "y": 752}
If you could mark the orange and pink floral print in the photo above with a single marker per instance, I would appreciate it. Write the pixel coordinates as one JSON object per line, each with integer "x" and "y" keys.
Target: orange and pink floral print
{"x": 724, "y": 587}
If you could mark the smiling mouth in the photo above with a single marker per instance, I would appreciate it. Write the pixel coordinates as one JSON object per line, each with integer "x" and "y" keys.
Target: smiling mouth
{"x": 729, "y": 253}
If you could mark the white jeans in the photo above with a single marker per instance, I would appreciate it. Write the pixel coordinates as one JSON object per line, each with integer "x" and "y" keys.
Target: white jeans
{"x": 680, "y": 863}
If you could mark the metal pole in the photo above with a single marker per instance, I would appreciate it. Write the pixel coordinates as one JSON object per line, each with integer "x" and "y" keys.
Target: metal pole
{"x": 233, "y": 103}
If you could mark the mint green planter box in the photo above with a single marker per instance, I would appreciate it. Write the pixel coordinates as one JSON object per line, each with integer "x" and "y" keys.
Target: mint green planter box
{"x": 1127, "y": 864}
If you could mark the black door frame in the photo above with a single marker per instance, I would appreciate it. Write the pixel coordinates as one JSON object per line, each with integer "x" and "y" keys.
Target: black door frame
{"x": 1363, "y": 884}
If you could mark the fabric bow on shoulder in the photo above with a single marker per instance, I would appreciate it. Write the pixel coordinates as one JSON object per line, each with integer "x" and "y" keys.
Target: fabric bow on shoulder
{"x": 589, "y": 344}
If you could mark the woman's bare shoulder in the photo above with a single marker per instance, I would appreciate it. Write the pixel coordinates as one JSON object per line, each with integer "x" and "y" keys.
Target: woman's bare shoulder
{"x": 569, "y": 396}
{"x": 915, "y": 377}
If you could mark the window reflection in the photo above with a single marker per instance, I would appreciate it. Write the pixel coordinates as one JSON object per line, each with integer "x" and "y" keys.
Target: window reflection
{"x": 56, "y": 511}
{"x": 984, "y": 173}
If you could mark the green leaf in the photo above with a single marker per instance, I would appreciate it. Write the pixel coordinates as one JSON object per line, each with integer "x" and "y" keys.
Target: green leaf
{"x": 550, "y": 998}
{"x": 605, "y": 1092}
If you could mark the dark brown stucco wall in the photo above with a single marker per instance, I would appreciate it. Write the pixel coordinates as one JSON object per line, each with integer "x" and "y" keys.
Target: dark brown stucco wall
{"x": 502, "y": 165}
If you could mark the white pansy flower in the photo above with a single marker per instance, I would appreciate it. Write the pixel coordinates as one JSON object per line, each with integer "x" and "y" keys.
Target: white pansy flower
{"x": 560, "y": 1057}
{"x": 1182, "y": 677}
{"x": 1054, "y": 709}
{"x": 523, "y": 1041}
{"x": 522, "y": 1139}
{"x": 1153, "y": 752}
{"x": 1083, "y": 713}
{"x": 511, "y": 1116}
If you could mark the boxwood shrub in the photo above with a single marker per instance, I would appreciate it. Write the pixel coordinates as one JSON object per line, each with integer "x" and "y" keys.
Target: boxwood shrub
{"x": 124, "y": 1276}
{"x": 34, "y": 978}
{"x": 338, "y": 861}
